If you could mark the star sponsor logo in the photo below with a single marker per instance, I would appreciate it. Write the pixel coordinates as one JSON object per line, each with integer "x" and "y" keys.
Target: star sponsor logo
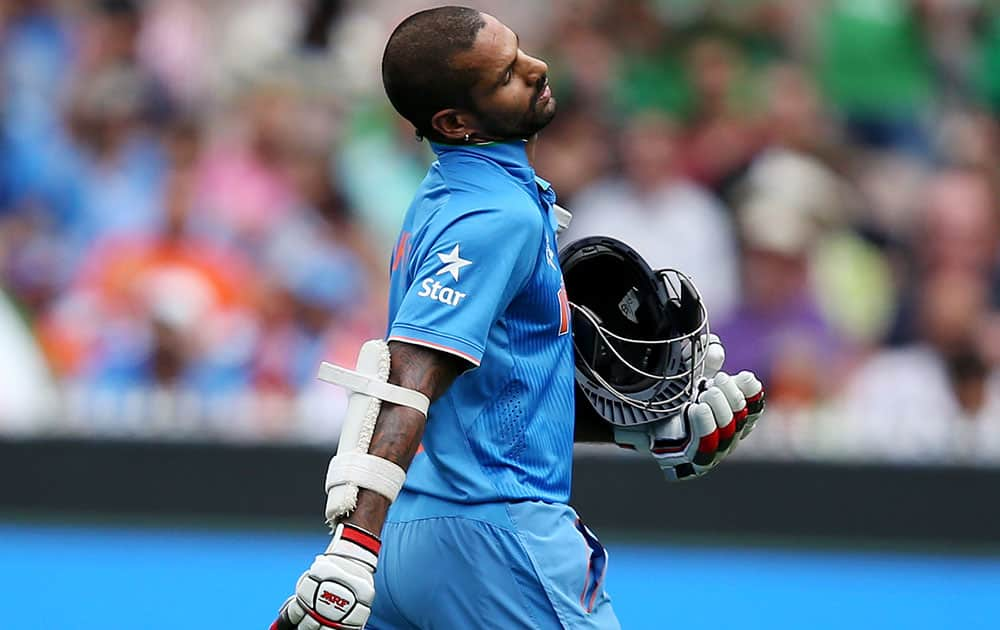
{"x": 438, "y": 293}
{"x": 453, "y": 263}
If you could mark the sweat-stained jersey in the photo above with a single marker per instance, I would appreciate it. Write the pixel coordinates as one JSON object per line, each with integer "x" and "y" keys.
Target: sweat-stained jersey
{"x": 475, "y": 273}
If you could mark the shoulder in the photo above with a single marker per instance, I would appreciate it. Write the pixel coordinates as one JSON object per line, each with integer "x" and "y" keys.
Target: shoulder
{"x": 496, "y": 218}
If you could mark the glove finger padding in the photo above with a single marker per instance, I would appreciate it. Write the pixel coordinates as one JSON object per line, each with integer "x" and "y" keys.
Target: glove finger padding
{"x": 715, "y": 354}
{"x": 753, "y": 391}
{"x": 738, "y": 404}
{"x": 705, "y": 433}
{"x": 289, "y": 615}
{"x": 310, "y": 624}
{"x": 722, "y": 419}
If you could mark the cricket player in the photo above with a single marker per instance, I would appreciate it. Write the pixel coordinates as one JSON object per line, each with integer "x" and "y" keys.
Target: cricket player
{"x": 472, "y": 400}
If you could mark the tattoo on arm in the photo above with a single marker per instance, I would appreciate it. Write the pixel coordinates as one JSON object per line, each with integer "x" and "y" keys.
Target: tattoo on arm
{"x": 398, "y": 429}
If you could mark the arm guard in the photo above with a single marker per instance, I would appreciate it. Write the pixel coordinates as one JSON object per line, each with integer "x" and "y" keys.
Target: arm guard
{"x": 353, "y": 467}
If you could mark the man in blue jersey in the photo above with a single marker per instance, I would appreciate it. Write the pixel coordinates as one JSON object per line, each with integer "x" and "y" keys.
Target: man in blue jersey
{"x": 480, "y": 536}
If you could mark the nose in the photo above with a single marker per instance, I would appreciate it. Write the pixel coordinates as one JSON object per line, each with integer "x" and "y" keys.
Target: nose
{"x": 537, "y": 69}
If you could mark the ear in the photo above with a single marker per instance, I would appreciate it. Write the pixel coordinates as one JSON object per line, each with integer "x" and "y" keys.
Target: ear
{"x": 454, "y": 124}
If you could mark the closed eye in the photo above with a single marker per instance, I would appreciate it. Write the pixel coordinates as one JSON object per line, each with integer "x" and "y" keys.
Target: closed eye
{"x": 509, "y": 72}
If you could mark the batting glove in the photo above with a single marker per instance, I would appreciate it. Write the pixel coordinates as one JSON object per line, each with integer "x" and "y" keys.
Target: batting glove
{"x": 693, "y": 442}
{"x": 338, "y": 589}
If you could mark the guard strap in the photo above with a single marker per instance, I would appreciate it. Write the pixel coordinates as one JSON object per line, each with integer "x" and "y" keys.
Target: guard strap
{"x": 366, "y": 471}
{"x": 364, "y": 384}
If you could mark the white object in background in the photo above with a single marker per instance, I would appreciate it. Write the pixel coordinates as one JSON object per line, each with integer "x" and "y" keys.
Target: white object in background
{"x": 27, "y": 395}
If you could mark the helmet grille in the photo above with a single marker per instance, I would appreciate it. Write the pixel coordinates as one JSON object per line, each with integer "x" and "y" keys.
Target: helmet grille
{"x": 637, "y": 333}
{"x": 615, "y": 293}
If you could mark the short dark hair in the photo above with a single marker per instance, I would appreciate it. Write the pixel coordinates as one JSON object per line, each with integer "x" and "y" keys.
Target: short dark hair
{"x": 417, "y": 70}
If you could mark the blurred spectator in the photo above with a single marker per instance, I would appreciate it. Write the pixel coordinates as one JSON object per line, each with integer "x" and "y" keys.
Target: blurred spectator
{"x": 957, "y": 229}
{"x": 779, "y": 330}
{"x": 722, "y": 136}
{"x": 668, "y": 219}
{"x": 575, "y": 150}
{"x": 36, "y": 48}
{"x": 320, "y": 299}
{"x": 174, "y": 44}
{"x": 381, "y": 195}
{"x": 937, "y": 399}
{"x": 795, "y": 116}
{"x": 243, "y": 189}
{"x": 650, "y": 72}
{"x": 876, "y": 69}
{"x": 120, "y": 163}
{"x": 165, "y": 310}
{"x": 586, "y": 67}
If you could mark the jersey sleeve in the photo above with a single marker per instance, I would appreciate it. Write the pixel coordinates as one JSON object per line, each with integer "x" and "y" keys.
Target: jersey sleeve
{"x": 464, "y": 278}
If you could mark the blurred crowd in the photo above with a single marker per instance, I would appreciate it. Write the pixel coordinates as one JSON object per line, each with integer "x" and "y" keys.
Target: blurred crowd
{"x": 198, "y": 200}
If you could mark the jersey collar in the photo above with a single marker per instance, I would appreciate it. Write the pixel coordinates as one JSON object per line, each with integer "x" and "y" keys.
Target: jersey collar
{"x": 512, "y": 156}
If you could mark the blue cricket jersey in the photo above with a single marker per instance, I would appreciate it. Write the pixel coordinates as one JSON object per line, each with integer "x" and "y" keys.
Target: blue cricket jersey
{"x": 475, "y": 273}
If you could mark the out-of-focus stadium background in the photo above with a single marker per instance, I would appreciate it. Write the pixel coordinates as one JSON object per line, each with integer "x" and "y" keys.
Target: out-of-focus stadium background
{"x": 198, "y": 202}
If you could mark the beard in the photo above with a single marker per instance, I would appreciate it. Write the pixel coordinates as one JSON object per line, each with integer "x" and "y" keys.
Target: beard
{"x": 519, "y": 125}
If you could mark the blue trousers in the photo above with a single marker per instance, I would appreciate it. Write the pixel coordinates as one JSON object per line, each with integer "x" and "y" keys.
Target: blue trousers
{"x": 518, "y": 565}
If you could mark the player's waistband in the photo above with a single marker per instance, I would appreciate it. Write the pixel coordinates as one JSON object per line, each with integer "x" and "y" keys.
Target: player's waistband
{"x": 411, "y": 506}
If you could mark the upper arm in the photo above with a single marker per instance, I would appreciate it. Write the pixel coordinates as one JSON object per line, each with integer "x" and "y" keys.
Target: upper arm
{"x": 463, "y": 277}
{"x": 428, "y": 371}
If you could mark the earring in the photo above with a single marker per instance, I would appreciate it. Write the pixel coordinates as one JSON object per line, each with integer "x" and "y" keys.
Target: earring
{"x": 466, "y": 137}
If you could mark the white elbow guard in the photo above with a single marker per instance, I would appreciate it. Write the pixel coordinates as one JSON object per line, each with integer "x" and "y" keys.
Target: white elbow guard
{"x": 352, "y": 467}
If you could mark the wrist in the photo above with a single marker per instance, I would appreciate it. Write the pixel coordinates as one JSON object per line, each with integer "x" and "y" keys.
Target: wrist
{"x": 370, "y": 513}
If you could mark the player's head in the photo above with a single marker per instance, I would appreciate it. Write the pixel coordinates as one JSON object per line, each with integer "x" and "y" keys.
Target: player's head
{"x": 454, "y": 71}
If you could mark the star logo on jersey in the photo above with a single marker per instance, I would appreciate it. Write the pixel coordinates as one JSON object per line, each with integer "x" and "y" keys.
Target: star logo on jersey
{"x": 453, "y": 263}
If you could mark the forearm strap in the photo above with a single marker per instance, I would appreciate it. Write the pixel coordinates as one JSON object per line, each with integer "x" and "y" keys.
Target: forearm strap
{"x": 366, "y": 471}
{"x": 364, "y": 384}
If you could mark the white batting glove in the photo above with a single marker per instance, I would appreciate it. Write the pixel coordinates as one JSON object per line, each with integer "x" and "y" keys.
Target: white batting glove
{"x": 338, "y": 589}
{"x": 693, "y": 442}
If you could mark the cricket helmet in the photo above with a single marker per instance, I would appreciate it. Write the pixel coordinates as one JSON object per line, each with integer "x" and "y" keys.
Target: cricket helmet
{"x": 639, "y": 335}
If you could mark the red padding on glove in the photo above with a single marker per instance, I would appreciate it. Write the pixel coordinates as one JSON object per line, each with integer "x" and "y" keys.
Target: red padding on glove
{"x": 739, "y": 419}
{"x": 362, "y": 538}
{"x": 709, "y": 443}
